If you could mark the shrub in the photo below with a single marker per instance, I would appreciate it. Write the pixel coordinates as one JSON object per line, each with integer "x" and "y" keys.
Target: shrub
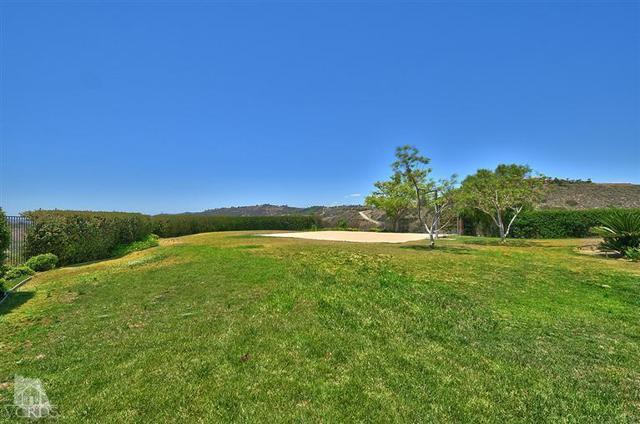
{"x": 543, "y": 223}
{"x": 476, "y": 223}
{"x": 185, "y": 224}
{"x": 620, "y": 230}
{"x": 83, "y": 236}
{"x": 18, "y": 272}
{"x": 343, "y": 224}
{"x": 632, "y": 253}
{"x": 554, "y": 224}
{"x": 561, "y": 223}
{"x": 43, "y": 262}
{"x": 5, "y": 236}
{"x": 3, "y": 286}
{"x": 124, "y": 249}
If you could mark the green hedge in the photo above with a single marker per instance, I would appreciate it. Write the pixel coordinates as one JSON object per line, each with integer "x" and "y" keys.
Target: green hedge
{"x": 76, "y": 237}
{"x": 184, "y": 224}
{"x": 541, "y": 223}
{"x": 5, "y": 236}
{"x": 559, "y": 223}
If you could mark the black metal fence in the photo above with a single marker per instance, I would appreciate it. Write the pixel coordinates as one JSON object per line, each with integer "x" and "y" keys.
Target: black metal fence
{"x": 16, "y": 253}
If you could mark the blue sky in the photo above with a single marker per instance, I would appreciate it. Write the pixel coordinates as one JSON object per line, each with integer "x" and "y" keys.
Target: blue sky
{"x": 169, "y": 107}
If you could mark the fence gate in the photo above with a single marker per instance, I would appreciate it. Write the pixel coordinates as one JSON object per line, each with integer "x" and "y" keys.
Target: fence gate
{"x": 16, "y": 253}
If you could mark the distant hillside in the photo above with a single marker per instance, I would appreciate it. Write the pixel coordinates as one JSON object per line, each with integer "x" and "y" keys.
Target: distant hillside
{"x": 332, "y": 216}
{"x": 563, "y": 194}
{"x": 587, "y": 195}
{"x": 261, "y": 210}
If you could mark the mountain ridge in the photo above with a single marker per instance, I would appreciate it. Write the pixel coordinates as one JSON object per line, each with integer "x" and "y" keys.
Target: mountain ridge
{"x": 561, "y": 194}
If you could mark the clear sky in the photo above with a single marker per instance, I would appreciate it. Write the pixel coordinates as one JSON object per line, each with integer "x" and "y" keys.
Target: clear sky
{"x": 169, "y": 107}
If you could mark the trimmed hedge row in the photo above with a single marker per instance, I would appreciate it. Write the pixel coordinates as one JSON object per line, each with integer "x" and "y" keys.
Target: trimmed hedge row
{"x": 541, "y": 223}
{"x": 75, "y": 236}
{"x": 559, "y": 223}
{"x": 78, "y": 236}
{"x": 185, "y": 224}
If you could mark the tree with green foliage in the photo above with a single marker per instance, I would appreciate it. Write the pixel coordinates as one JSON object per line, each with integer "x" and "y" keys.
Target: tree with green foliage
{"x": 433, "y": 198}
{"x": 395, "y": 197}
{"x": 502, "y": 194}
{"x": 5, "y": 236}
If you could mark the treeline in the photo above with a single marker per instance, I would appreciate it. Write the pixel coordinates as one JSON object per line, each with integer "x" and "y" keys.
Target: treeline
{"x": 81, "y": 236}
{"x": 543, "y": 223}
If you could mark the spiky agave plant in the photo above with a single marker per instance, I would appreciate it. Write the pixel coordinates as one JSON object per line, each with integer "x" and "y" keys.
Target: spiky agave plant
{"x": 620, "y": 231}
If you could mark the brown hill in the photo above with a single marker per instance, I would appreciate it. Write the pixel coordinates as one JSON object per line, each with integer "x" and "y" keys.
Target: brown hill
{"x": 587, "y": 195}
{"x": 331, "y": 216}
{"x": 562, "y": 194}
{"x": 261, "y": 210}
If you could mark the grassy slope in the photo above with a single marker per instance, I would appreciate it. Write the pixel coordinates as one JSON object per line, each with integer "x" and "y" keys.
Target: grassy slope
{"x": 229, "y": 326}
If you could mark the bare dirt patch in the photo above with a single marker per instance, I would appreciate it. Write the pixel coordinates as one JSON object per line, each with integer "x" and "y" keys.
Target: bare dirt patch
{"x": 593, "y": 250}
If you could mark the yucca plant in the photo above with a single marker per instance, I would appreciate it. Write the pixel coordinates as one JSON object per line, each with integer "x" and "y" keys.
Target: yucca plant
{"x": 632, "y": 253}
{"x": 620, "y": 231}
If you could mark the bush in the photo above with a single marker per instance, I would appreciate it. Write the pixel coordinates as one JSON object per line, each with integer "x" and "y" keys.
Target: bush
{"x": 632, "y": 253}
{"x": 476, "y": 223}
{"x": 43, "y": 262}
{"x": 184, "y": 224}
{"x": 542, "y": 223}
{"x": 620, "y": 230}
{"x": 76, "y": 237}
{"x": 560, "y": 223}
{"x": 3, "y": 269}
{"x": 18, "y": 272}
{"x": 5, "y": 236}
{"x": 124, "y": 249}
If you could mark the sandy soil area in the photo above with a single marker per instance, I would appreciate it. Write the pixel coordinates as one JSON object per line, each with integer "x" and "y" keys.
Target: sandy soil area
{"x": 354, "y": 236}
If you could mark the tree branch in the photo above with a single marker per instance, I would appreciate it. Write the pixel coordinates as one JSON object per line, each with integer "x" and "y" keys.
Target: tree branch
{"x": 513, "y": 218}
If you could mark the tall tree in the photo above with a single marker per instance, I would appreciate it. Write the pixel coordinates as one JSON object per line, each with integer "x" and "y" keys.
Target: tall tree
{"x": 394, "y": 197}
{"x": 433, "y": 198}
{"x": 502, "y": 194}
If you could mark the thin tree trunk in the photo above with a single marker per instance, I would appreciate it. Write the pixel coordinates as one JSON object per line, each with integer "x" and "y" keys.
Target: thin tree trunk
{"x": 436, "y": 221}
{"x": 503, "y": 236}
{"x": 513, "y": 218}
{"x": 420, "y": 217}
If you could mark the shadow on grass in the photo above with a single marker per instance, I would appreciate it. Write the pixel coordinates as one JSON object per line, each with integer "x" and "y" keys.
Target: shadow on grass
{"x": 243, "y": 236}
{"x": 497, "y": 242}
{"x": 15, "y": 300}
{"x": 446, "y": 249}
{"x": 81, "y": 264}
{"x": 602, "y": 255}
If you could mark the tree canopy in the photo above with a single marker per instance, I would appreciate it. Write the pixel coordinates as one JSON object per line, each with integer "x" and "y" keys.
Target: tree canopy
{"x": 502, "y": 193}
{"x": 395, "y": 197}
{"x": 432, "y": 198}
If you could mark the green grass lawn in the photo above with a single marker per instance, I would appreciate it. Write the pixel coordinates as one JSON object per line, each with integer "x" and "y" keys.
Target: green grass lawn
{"x": 235, "y": 327}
